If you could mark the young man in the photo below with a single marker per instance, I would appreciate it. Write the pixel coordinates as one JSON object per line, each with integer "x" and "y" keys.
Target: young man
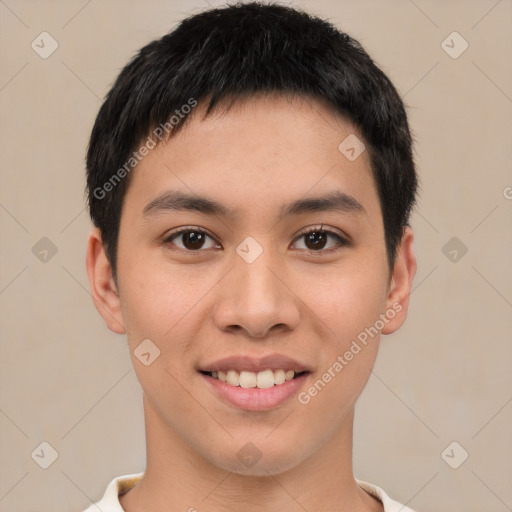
{"x": 250, "y": 179}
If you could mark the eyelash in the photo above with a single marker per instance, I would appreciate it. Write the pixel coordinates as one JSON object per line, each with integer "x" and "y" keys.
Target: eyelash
{"x": 341, "y": 241}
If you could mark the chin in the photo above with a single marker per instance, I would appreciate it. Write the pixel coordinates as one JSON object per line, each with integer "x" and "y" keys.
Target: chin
{"x": 250, "y": 460}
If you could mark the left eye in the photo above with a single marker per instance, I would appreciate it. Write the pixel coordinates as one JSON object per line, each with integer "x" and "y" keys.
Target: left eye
{"x": 317, "y": 239}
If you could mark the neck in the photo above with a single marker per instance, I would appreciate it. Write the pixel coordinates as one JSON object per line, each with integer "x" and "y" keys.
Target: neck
{"x": 178, "y": 478}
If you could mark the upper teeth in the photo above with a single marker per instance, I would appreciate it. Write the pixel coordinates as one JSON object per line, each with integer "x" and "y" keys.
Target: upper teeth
{"x": 244, "y": 379}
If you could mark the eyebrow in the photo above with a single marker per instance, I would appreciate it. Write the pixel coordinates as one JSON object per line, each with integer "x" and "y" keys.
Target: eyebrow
{"x": 179, "y": 201}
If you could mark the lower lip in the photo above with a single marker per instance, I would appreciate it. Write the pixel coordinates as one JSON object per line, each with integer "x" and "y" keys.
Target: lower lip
{"x": 256, "y": 399}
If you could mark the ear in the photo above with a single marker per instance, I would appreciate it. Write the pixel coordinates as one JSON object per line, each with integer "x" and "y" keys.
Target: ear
{"x": 404, "y": 269}
{"x": 103, "y": 289}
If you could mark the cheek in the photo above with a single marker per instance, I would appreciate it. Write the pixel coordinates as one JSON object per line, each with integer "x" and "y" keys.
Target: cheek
{"x": 347, "y": 355}
{"x": 349, "y": 304}
{"x": 168, "y": 307}
{"x": 158, "y": 306}
{"x": 347, "y": 299}
{"x": 156, "y": 298}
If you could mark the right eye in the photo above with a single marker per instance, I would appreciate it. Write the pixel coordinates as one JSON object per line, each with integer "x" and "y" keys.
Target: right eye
{"x": 192, "y": 239}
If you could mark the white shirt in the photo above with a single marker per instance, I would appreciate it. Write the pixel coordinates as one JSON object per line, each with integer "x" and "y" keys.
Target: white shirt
{"x": 122, "y": 484}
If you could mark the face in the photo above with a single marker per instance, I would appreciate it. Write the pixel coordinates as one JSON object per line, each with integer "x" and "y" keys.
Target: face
{"x": 276, "y": 261}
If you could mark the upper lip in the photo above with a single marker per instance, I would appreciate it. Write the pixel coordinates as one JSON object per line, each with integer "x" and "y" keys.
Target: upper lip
{"x": 255, "y": 364}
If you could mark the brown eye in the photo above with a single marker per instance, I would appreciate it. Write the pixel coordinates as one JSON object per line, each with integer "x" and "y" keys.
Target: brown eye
{"x": 318, "y": 240}
{"x": 190, "y": 240}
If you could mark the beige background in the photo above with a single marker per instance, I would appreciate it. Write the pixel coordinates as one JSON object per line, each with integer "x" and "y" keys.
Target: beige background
{"x": 445, "y": 376}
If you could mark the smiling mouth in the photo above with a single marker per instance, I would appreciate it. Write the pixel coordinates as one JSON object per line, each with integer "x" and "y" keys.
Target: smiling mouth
{"x": 262, "y": 380}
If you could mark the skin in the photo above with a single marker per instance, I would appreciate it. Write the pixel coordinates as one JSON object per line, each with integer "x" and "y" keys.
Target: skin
{"x": 204, "y": 305}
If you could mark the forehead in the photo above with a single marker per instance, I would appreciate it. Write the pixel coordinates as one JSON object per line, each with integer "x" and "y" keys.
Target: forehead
{"x": 266, "y": 147}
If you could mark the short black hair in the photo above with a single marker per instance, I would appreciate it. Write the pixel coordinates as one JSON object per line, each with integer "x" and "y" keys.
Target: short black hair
{"x": 234, "y": 52}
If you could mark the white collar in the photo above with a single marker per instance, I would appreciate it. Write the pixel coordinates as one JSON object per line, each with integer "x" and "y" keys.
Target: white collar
{"x": 122, "y": 484}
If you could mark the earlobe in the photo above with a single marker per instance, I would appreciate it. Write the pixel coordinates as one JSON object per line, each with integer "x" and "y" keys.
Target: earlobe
{"x": 103, "y": 288}
{"x": 404, "y": 269}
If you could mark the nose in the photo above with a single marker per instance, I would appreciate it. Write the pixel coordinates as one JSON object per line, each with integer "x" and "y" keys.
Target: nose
{"x": 255, "y": 298}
